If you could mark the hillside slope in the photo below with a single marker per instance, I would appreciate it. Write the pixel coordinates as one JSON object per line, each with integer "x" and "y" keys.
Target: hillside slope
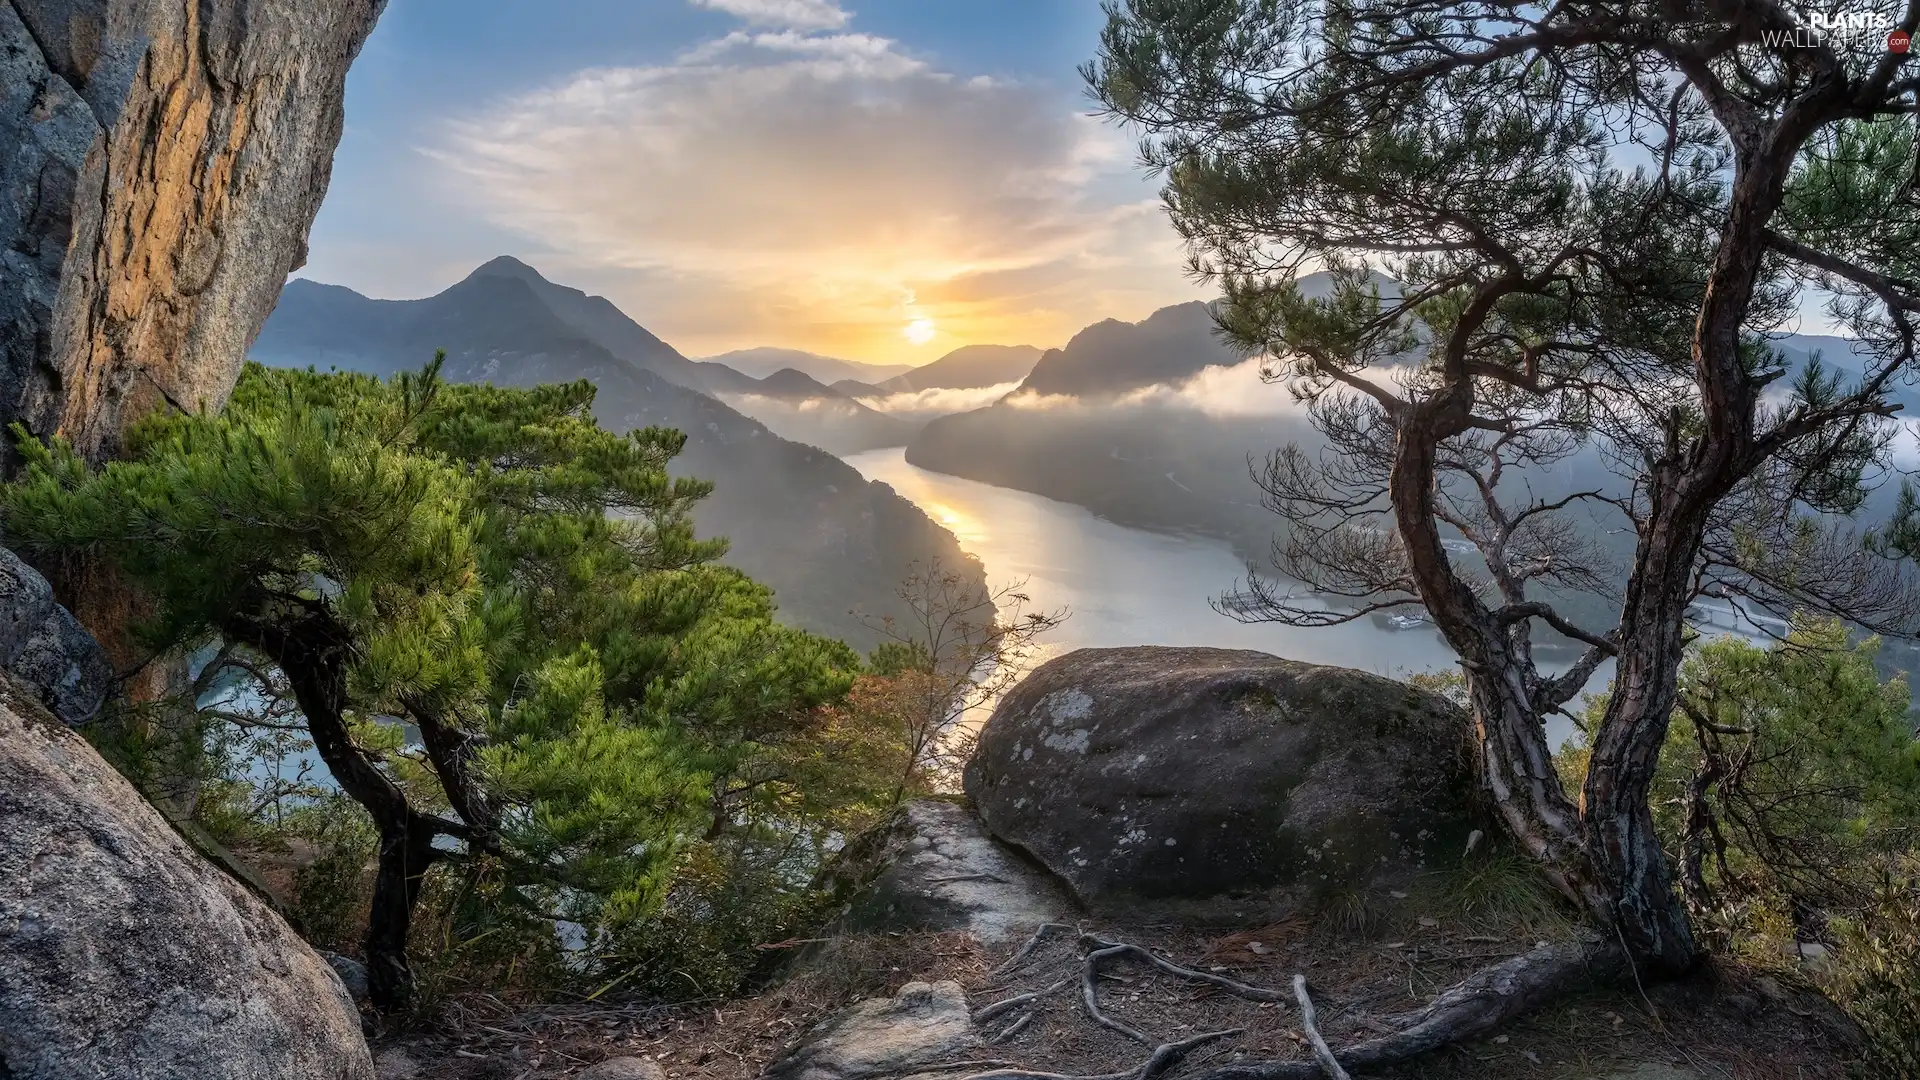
{"x": 800, "y": 519}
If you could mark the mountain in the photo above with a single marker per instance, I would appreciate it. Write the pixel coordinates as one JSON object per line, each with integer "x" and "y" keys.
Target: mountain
{"x": 1112, "y": 357}
{"x": 599, "y": 321}
{"x": 764, "y": 361}
{"x": 1156, "y": 424}
{"x": 794, "y": 405}
{"x": 800, "y": 520}
{"x": 1105, "y": 423}
{"x": 967, "y": 368}
{"x": 794, "y": 384}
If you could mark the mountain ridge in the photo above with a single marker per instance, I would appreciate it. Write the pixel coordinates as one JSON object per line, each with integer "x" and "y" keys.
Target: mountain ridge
{"x": 799, "y": 519}
{"x": 762, "y": 360}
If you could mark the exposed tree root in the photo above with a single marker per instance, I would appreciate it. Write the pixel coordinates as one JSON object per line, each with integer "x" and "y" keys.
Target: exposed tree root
{"x": 1013, "y": 963}
{"x": 1477, "y": 1005}
{"x": 1107, "y": 950}
{"x": 1090, "y": 998}
{"x": 1164, "y": 1057}
{"x": 1310, "y": 1024}
{"x": 988, "y": 1012}
{"x": 1012, "y": 1030}
{"x": 1102, "y": 950}
{"x": 1472, "y": 1008}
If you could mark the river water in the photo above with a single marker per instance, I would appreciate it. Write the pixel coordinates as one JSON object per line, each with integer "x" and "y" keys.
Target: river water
{"x": 1126, "y": 586}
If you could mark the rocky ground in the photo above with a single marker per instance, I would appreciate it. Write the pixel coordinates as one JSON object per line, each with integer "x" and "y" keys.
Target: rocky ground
{"x": 1335, "y": 837}
{"x": 899, "y": 1003}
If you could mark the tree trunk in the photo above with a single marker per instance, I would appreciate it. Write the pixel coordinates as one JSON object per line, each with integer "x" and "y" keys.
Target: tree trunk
{"x": 1649, "y": 914}
{"x": 1516, "y": 763}
{"x": 1603, "y": 855}
{"x": 406, "y": 852}
{"x": 314, "y": 651}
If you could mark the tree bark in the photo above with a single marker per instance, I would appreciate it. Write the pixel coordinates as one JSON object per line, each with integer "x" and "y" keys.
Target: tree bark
{"x": 304, "y": 639}
{"x": 406, "y": 853}
{"x": 1648, "y": 911}
{"x": 1482, "y": 1003}
{"x": 1515, "y": 760}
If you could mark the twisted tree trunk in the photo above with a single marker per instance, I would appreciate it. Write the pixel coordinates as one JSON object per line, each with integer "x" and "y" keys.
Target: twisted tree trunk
{"x": 306, "y": 642}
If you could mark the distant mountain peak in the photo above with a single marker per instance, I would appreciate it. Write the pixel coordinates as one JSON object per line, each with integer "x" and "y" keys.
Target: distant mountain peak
{"x": 506, "y": 266}
{"x": 762, "y": 361}
{"x": 794, "y": 382}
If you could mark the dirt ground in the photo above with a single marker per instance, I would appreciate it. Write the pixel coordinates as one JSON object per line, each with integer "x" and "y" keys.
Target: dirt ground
{"x": 1726, "y": 1024}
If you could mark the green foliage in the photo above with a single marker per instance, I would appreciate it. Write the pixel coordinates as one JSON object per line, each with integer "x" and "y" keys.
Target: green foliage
{"x": 1810, "y": 764}
{"x": 332, "y": 888}
{"x": 1806, "y": 770}
{"x": 731, "y": 914}
{"x": 479, "y": 557}
{"x": 1877, "y": 979}
{"x": 1789, "y": 793}
{"x": 1499, "y": 885}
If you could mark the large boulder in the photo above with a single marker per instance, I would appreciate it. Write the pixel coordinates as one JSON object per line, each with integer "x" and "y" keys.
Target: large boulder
{"x": 124, "y": 954}
{"x": 1213, "y": 784}
{"x": 160, "y": 164}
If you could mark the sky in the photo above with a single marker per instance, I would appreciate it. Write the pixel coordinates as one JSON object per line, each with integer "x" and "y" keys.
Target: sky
{"x": 880, "y": 180}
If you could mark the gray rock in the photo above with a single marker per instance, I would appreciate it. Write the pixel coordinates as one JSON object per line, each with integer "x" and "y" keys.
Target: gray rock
{"x": 353, "y": 974}
{"x": 624, "y": 1068}
{"x": 935, "y": 868}
{"x": 920, "y": 1025}
{"x": 45, "y": 649}
{"x": 160, "y": 164}
{"x": 124, "y": 954}
{"x": 1211, "y": 784}
{"x": 396, "y": 1063}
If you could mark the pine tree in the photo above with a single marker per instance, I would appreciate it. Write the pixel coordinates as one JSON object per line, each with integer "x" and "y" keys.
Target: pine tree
{"x": 1594, "y": 219}
{"x": 485, "y": 564}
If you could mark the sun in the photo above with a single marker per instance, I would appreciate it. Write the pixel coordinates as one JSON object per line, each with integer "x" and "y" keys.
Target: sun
{"x": 919, "y": 331}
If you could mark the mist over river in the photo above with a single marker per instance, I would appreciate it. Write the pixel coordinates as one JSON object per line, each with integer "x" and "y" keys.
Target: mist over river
{"x": 1127, "y": 586}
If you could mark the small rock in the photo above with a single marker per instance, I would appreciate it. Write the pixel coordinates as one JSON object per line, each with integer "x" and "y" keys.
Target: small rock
{"x": 1811, "y": 954}
{"x": 920, "y": 1025}
{"x": 624, "y": 1068}
{"x": 353, "y": 974}
{"x": 1653, "y": 1071}
{"x": 395, "y": 1064}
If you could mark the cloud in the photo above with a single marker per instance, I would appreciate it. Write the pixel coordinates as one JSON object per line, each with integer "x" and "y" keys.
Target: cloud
{"x": 755, "y": 405}
{"x": 938, "y": 401}
{"x": 1222, "y": 391}
{"x": 799, "y": 14}
{"x": 804, "y": 184}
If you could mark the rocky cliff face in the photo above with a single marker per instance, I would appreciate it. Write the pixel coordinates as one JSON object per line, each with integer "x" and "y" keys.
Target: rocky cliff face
{"x": 160, "y": 164}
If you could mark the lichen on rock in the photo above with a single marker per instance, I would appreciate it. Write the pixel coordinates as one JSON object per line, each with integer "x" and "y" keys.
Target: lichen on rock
{"x": 1213, "y": 784}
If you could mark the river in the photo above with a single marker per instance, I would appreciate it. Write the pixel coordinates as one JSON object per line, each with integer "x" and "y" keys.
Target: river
{"x": 1127, "y": 586}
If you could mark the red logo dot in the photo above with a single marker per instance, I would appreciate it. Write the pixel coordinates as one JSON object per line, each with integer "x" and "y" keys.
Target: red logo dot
{"x": 1899, "y": 41}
